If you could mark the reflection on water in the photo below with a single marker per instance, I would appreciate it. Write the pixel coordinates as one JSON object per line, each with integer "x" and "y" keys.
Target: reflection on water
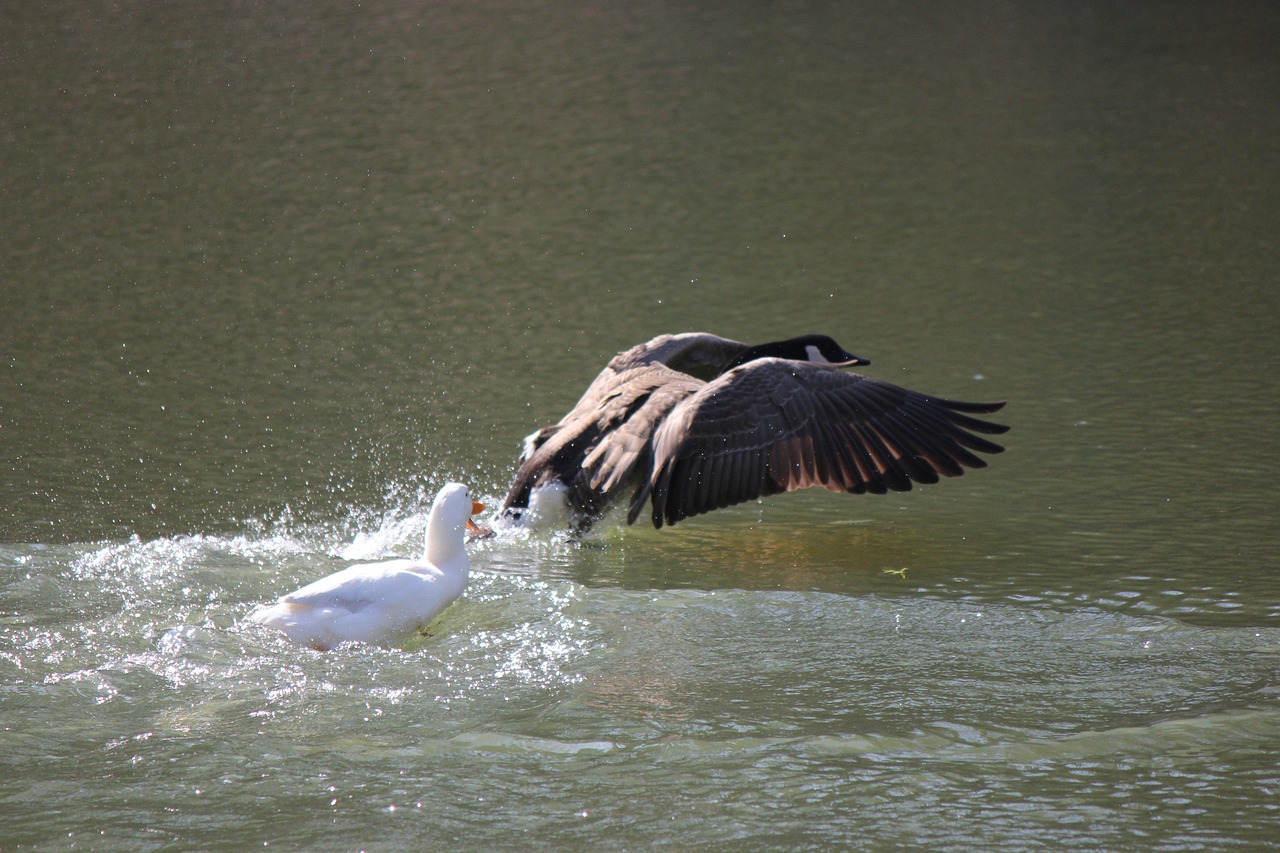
{"x": 272, "y": 275}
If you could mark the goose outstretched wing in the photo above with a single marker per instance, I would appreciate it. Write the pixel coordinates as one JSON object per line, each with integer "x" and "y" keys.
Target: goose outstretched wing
{"x": 777, "y": 425}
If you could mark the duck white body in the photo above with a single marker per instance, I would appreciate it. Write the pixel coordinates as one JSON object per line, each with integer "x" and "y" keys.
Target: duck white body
{"x": 378, "y": 602}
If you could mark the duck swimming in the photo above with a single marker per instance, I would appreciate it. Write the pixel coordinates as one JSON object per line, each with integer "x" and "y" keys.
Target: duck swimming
{"x": 694, "y": 422}
{"x": 378, "y": 602}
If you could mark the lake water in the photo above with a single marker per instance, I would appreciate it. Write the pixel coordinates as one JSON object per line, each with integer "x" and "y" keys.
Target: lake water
{"x": 273, "y": 274}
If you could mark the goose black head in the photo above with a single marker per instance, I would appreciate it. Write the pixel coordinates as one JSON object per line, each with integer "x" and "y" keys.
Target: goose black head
{"x": 819, "y": 349}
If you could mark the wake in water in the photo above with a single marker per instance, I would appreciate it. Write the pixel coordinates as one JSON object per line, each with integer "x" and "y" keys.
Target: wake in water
{"x": 128, "y": 673}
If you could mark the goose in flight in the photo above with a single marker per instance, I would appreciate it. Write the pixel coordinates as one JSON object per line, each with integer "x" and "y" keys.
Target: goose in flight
{"x": 380, "y": 602}
{"x": 693, "y": 422}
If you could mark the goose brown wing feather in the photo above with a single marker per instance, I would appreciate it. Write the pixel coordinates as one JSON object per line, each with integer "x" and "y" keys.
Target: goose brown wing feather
{"x": 595, "y": 448}
{"x": 652, "y": 393}
{"x": 777, "y": 425}
{"x": 915, "y": 453}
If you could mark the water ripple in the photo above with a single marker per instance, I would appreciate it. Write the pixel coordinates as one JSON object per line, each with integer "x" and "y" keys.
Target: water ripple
{"x": 580, "y": 708}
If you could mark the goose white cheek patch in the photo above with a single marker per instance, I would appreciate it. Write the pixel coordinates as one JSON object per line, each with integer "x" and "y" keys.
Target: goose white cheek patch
{"x": 815, "y": 355}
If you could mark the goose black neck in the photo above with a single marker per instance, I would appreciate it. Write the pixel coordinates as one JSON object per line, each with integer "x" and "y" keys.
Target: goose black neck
{"x": 804, "y": 348}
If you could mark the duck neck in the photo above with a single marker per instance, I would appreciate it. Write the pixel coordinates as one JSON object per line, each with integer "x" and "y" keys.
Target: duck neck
{"x": 444, "y": 541}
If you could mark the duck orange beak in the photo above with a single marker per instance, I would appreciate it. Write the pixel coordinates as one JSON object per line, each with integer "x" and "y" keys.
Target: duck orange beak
{"x": 476, "y": 507}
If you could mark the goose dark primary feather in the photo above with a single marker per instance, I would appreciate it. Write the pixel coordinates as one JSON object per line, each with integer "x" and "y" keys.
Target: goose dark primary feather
{"x": 689, "y": 423}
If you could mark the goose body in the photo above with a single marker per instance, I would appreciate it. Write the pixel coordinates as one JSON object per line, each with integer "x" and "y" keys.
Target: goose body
{"x": 693, "y": 422}
{"x": 378, "y": 602}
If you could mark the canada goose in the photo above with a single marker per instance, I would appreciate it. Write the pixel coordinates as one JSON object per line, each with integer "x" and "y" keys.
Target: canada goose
{"x": 377, "y": 602}
{"x": 695, "y": 422}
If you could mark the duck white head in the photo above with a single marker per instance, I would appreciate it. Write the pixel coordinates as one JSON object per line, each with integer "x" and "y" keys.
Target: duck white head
{"x": 449, "y": 522}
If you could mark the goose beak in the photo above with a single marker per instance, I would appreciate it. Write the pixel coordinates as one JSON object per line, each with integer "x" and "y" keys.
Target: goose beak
{"x": 851, "y": 360}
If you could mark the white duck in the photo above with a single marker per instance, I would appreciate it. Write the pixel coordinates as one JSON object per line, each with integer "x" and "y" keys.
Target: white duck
{"x": 378, "y": 602}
